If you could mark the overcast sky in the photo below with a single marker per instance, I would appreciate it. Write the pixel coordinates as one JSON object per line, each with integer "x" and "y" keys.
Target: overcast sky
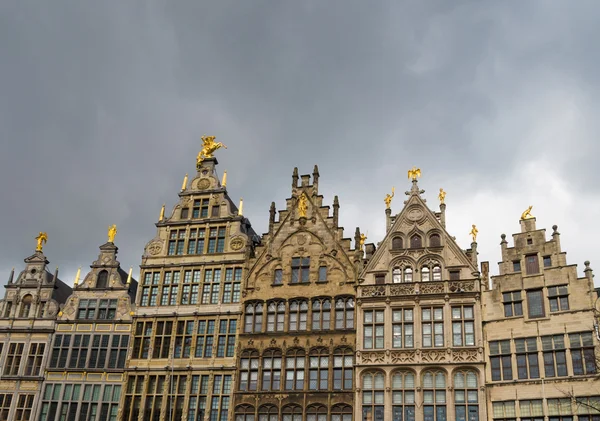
{"x": 102, "y": 106}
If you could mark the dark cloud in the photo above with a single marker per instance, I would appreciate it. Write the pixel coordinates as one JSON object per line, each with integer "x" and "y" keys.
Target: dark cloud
{"x": 102, "y": 106}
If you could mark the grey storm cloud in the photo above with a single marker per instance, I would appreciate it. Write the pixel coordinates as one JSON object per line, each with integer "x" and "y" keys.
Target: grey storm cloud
{"x": 102, "y": 105}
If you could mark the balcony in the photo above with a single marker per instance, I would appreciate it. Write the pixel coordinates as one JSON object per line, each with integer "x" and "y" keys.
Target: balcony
{"x": 418, "y": 288}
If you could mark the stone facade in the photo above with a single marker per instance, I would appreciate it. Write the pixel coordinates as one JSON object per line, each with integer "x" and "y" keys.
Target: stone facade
{"x": 419, "y": 338}
{"x": 540, "y": 333}
{"x": 85, "y": 371}
{"x": 296, "y": 343}
{"x": 182, "y": 358}
{"x": 27, "y": 322}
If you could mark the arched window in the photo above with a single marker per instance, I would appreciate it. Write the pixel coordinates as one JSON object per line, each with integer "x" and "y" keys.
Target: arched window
{"x": 295, "y": 361}
{"x": 275, "y": 316}
{"x": 415, "y": 241}
{"x": 321, "y": 314}
{"x": 344, "y": 313}
{"x": 318, "y": 369}
{"x": 244, "y": 413}
{"x": 434, "y": 396}
{"x": 298, "y": 315}
{"x": 408, "y": 273}
{"x": 341, "y": 413}
{"x": 253, "y": 318}
{"x": 396, "y": 243}
{"x": 343, "y": 361}
{"x": 102, "y": 281}
{"x": 403, "y": 396}
{"x": 268, "y": 413}
{"x": 425, "y": 274}
{"x": 434, "y": 240}
{"x": 292, "y": 413}
{"x": 373, "y": 385}
{"x": 316, "y": 413}
{"x": 271, "y": 370}
{"x": 249, "y": 370}
{"x": 466, "y": 396}
{"x": 25, "y": 306}
{"x": 437, "y": 273}
{"x": 396, "y": 275}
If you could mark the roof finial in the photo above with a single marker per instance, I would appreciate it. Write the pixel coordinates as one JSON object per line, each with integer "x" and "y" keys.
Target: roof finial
{"x": 129, "y": 276}
{"x": 224, "y": 182}
{"x": 241, "y": 207}
{"x": 42, "y": 239}
{"x": 209, "y": 146}
{"x": 162, "y": 213}
{"x": 414, "y": 173}
{"x": 388, "y": 198}
{"x": 76, "y": 282}
{"x": 442, "y": 196}
{"x": 112, "y": 232}
{"x": 474, "y": 232}
{"x": 527, "y": 214}
{"x": 184, "y": 184}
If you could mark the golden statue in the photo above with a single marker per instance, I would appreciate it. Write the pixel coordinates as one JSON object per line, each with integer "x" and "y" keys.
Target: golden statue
{"x": 474, "y": 232}
{"x": 209, "y": 146}
{"x": 184, "y": 184}
{"x": 362, "y": 240}
{"x": 42, "y": 239}
{"x": 527, "y": 214}
{"x": 414, "y": 173}
{"x": 388, "y": 199}
{"x": 162, "y": 213}
{"x": 302, "y": 206}
{"x": 442, "y": 196}
{"x": 112, "y": 231}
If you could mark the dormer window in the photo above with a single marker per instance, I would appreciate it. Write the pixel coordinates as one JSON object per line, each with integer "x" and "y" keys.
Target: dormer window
{"x": 434, "y": 240}
{"x": 416, "y": 241}
{"x": 102, "y": 281}
{"x": 396, "y": 243}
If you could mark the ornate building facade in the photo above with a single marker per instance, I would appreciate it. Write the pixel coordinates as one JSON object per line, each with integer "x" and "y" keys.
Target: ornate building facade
{"x": 27, "y": 322}
{"x": 296, "y": 342}
{"x": 182, "y": 353}
{"x": 85, "y": 371}
{"x": 419, "y": 338}
{"x": 541, "y": 336}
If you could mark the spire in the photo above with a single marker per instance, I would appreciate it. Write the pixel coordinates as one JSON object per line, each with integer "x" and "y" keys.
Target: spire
{"x": 316, "y": 177}
{"x": 336, "y": 211}
{"x": 272, "y": 211}
{"x": 55, "y": 277}
{"x": 12, "y": 274}
{"x": 295, "y": 178}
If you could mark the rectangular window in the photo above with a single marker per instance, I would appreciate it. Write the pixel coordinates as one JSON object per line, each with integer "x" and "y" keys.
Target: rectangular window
{"x": 500, "y": 360}
{"x": 196, "y": 241}
{"x": 516, "y": 266}
{"x": 216, "y": 240}
{"x": 183, "y": 340}
{"x": 532, "y": 410}
{"x": 176, "y": 242}
{"x": 432, "y": 326}
{"x": 373, "y": 329}
{"x": 323, "y": 274}
{"x": 34, "y": 359}
{"x": 463, "y": 326}
{"x": 184, "y": 213}
{"x": 13, "y": 359}
{"x": 219, "y": 403}
{"x": 547, "y": 261}
{"x": 198, "y": 398}
{"x": 142, "y": 340}
{"x": 455, "y": 275}
{"x": 205, "y": 338}
{"x": 300, "y": 269}
{"x": 278, "y": 277}
{"x": 504, "y": 411}
{"x": 402, "y": 328}
{"x": 527, "y": 358}
{"x": 513, "y": 304}
{"x": 560, "y": 409}
{"x": 87, "y": 309}
{"x": 232, "y": 285}
{"x": 24, "y": 406}
{"x": 532, "y": 265}
{"x": 558, "y": 298}
{"x": 211, "y": 286}
{"x": 588, "y": 408}
{"x": 215, "y": 211}
{"x": 582, "y": 353}
{"x": 555, "y": 360}
{"x": 379, "y": 279}
{"x": 107, "y": 309}
{"x": 162, "y": 339}
{"x": 5, "y": 402}
{"x": 535, "y": 303}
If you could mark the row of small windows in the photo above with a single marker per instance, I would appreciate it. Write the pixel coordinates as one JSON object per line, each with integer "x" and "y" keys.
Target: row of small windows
{"x": 532, "y": 265}
{"x": 89, "y": 351}
{"x": 429, "y": 273}
{"x": 416, "y": 241}
{"x": 80, "y": 402}
{"x": 19, "y": 363}
{"x": 202, "y": 240}
{"x": 558, "y": 300}
{"x": 430, "y": 396}
{"x": 556, "y": 409}
{"x": 203, "y": 338}
{"x": 295, "y": 315}
{"x": 404, "y": 328}
{"x": 553, "y": 353}
{"x": 200, "y": 209}
{"x": 211, "y": 287}
{"x": 274, "y": 371}
{"x": 146, "y": 396}
{"x": 300, "y": 272}
{"x": 293, "y": 413}
{"x": 23, "y": 408}
{"x": 24, "y": 310}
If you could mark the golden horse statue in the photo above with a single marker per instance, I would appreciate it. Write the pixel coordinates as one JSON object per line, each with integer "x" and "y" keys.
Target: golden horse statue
{"x": 209, "y": 146}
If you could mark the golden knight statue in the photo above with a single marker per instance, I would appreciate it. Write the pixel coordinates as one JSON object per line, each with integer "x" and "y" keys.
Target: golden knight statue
{"x": 112, "y": 232}
{"x": 42, "y": 239}
{"x": 388, "y": 199}
{"x": 442, "y": 196}
{"x": 527, "y": 214}
{"x": 414, "y": 173}
{"x": 209, "y": 146}
{"x": 474, "y": 232}
{"x": 302, "y": 206}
